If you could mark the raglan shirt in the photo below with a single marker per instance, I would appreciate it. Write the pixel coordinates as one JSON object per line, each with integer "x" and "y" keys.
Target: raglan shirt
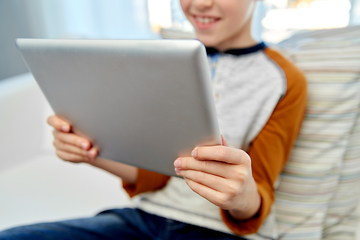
{"x": 260, "y": 99}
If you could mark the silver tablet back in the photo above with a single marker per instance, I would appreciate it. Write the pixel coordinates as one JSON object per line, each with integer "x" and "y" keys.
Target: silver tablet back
{"x": 141, "y": 102}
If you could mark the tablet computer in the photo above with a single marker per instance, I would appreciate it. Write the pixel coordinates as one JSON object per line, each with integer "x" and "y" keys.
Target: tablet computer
{"x": 140, "y": 102}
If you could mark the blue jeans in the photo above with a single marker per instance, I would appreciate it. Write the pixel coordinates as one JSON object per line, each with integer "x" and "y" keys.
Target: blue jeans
{"x": 114, "y": 224}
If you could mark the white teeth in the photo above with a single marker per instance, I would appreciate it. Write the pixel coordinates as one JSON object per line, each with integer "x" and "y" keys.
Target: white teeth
{"x": 205, "y": 19}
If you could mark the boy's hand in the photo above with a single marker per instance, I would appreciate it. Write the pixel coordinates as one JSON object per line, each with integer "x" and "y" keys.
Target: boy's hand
{"x": 69, "y": 146}
{"x": 223, "y": 176}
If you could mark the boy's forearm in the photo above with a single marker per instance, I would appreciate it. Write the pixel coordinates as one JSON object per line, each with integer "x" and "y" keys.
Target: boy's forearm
{"x": 125, "y": 172}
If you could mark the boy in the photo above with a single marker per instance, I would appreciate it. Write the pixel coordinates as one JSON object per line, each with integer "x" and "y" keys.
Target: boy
{"x": 226, "y": 191}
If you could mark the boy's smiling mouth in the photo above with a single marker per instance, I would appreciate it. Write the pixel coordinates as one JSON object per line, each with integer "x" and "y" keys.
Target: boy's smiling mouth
{"x": 204, "y": 22}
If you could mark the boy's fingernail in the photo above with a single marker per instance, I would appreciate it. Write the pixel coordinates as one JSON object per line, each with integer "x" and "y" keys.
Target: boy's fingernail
{"x": 92, "y": 153}
{"x": 65, "y": 128}
{"x": 177, "y": 163}
{"x": 177, "y": 171}
{"x": 84, "y": 145}
{"x": 194, "y": 153}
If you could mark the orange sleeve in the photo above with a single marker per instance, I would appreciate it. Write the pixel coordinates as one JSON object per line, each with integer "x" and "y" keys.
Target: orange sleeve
{"x": 270, "y": 150}
{"x": 146, "y": 181}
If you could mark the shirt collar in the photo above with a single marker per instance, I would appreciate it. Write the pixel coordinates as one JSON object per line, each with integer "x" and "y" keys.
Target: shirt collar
{"x": 237, "y": 51}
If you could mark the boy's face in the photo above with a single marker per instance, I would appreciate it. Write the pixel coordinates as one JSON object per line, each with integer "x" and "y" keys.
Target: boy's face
{"x": 222, "y": 24}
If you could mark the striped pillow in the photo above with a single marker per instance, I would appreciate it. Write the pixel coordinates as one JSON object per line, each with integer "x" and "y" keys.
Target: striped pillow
{"x": 319, "y": 187}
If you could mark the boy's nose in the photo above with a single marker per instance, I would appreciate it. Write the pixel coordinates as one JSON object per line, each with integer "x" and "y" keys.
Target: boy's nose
{"x": 203, "y": 4}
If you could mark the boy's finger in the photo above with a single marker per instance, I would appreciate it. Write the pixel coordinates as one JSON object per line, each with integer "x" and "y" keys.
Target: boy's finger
{"x": 222, "y": 154}
{"x": 59, "y": 124}
{"x": 70, "y": 148}
{"x": 73, "y": 139}
{"x": 71, "y": 157}
{"x": 215, "y": 182}
{"x": 210, "y": 194}
{"x": 212, "y": 167}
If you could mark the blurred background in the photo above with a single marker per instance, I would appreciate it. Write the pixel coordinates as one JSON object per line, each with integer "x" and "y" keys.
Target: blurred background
{"x": 34, "y": 184}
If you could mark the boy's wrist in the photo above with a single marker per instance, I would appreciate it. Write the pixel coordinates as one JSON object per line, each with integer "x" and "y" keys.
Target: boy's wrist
{"x": 250, "y": 209}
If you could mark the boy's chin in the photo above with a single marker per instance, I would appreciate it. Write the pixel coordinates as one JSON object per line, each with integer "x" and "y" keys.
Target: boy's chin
{"x": 207, "y": 41}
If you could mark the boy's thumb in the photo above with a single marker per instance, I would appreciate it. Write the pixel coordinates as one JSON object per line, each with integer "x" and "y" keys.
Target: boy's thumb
{"x": 223, "y": 142}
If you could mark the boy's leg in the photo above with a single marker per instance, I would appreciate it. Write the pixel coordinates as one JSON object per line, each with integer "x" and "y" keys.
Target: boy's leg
{"x": 125, "y": 224}
{"x": 114, "y": 224}
{"x": 177, "y": 231}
